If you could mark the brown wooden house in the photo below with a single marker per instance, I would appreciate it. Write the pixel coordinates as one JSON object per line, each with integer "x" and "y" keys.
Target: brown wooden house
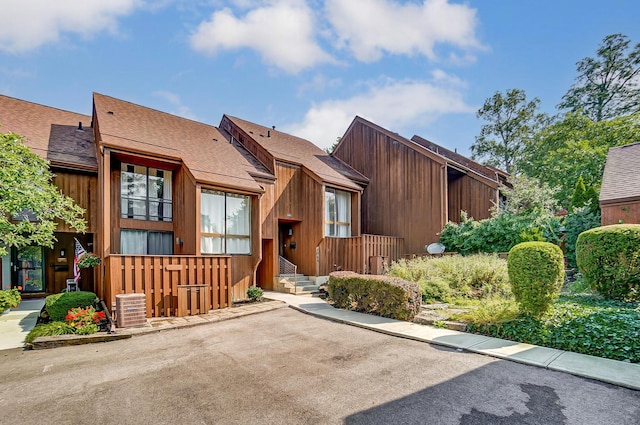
{"x": 191, "y": 215}
{"x": 66, "y": 140}
{"x": 311, "y": 212}
{"x": 415, "y": 186}
{"x": 620, "y": 190}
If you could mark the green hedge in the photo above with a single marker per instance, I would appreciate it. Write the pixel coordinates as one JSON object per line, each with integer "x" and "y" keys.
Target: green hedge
{"x": 609, "y": 259}
{"x": 381, "y": 295}
{"x": 58, "y": 305}
{"x": 536, "y": 273}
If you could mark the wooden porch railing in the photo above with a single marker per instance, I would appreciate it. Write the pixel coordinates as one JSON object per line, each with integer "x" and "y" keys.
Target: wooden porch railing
{"x": 159, "y": 277}
{"x": 353, "y": 253}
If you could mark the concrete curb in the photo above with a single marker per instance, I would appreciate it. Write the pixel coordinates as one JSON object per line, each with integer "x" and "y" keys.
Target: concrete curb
{"x": 597, "y": 368}
{"x": 157, "y": 325}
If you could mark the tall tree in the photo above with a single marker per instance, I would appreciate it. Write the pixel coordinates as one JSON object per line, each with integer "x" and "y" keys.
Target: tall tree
{"x": 574, "y": 147}
{"x": 511, "y": 121}
{"x": 29, "y": 202}
{"x": 608, "y": 85}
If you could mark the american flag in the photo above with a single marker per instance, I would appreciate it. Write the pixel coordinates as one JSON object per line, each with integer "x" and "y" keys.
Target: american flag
{"x": 79, "y": 252}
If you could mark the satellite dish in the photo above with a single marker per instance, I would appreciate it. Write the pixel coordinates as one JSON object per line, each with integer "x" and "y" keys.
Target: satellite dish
{"x": 435, "y": 248}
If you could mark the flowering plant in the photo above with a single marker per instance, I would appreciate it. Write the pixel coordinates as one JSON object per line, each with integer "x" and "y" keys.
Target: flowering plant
{"x": 84, "y": 320}
{"x": 88, "y": 260}
{"x": 9, "y": 298}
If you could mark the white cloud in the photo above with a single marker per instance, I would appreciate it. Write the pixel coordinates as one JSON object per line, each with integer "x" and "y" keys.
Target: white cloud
{"x": 282, "y": 31}
{"x": 28, "y": 24}
{"x": 393, "y": 104}
{"x": 178, "y": 108}
{"x": 370, "y": 28}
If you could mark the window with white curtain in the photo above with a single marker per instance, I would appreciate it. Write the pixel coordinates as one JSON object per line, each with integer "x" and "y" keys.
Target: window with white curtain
{"x": 337, "y": 213}
{"x": 145, "y": 242}
{"x": 225, "y": 223}
{"x": 145, "y": 193}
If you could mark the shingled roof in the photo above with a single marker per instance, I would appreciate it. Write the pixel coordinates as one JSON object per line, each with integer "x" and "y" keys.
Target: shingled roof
{"x": 51, "y": 133}
{"x": 621, "y": 179}
{"x": 288, "y": 148}
{"x": 458, "y": 159}
{"x": 204, "y": 150}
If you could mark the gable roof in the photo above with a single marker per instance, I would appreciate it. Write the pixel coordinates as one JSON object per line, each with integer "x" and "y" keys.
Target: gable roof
{"x": 439, "y": 154}
{"x": 395, "y": 136}
{"x": 621, "y": 180}
{"x": 51, "y": 133}
{"x": 458, "y": 159}
{"x": 288, "y": 148}
{"x": 205, "y": 151}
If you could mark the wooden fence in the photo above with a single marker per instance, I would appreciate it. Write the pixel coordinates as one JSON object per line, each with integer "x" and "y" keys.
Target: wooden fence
{"x": 354, "y": 253}
{"x": 160, "y": 277}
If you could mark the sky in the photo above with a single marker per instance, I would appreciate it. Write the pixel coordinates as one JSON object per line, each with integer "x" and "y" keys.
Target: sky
{"x": 306, "y": 66}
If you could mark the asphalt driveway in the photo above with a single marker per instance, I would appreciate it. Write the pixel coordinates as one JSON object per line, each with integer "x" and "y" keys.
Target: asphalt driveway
{"x": 285, "y": 367}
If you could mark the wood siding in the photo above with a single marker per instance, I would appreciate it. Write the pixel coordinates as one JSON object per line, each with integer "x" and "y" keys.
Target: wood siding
{"x": 83, "y": 189}
{"x": 406, "y": 195}
{"x": 159, "y": 277}
{"x": 354, "y": 253}
{"x": 627, "y": 212}
{"x": 467, "y": 194}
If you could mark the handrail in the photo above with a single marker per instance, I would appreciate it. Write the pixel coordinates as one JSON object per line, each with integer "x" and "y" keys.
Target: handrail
{"x": 287, "y": 267}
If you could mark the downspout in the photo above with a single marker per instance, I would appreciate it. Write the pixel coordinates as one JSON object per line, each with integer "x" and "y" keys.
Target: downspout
{"x": 259, "y": 259}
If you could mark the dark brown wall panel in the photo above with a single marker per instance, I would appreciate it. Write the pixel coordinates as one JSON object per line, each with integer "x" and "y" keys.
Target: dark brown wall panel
{"x": 470, "y": 195}
{"x": 404, "y": 197}
{"x": 627, "y": 213}
{"x": 83, "y": 189}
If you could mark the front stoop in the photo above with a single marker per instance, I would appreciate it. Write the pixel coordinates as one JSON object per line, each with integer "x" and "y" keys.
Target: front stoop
{"x": 298, "y": 285}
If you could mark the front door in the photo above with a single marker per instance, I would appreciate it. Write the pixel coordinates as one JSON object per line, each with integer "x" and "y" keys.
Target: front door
{"x": 28, "y": 263}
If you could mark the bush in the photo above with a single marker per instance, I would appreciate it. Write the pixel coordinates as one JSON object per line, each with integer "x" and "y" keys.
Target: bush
{"x": 255, "y": 293}
{"x": 58, "y": 305}
{"x": 582, "y": 324}
{"x": 608, "y": 258}
{"x": 382, "y": 295}
{"x": 576, "y": 222}
{"x": 50, "y": 329}
{"x": 452, "y": 277}
{"x": 9, "y": 298}
{"x": 536, "y": 273}
{"x": 499, "y": 233}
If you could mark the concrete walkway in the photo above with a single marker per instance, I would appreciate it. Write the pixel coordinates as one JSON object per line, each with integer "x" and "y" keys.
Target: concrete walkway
{"x": 601, "y": 369}
{"x": 18, "y": 322}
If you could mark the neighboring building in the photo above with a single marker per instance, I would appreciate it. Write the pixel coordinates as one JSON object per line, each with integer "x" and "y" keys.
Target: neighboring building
{"x": 415, "y": 186}
{"x": 65, "y": 139}
{"x": 620, "y": 190}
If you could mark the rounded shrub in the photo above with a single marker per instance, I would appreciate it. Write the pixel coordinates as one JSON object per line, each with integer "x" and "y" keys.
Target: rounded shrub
{"x": 58, "y": 305}
{"x": 536, "y": 274}
{"x": 609, "y": 259}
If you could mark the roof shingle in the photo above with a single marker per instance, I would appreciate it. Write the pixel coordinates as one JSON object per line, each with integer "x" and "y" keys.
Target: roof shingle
{"x": 49, "y": 132}
{"x": 621, "y": 180}
{"x": 288, "y": 148}
{"x": 204, "y": 150}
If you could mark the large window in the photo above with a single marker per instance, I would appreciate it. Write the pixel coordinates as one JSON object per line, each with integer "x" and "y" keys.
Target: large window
{"x": 145, "y": 242}
{"x": 145, "y": 193}
{"x": 337, "y": 213}
{"x": 225, "y": 223}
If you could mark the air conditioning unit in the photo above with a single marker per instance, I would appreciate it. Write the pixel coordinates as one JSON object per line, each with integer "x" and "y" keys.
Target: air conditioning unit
{"x": 131, "y": 310}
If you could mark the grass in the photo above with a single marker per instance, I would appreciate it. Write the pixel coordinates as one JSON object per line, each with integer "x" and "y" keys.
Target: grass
{"x": 454, "y": 278}
{"x": 580, "y": 320}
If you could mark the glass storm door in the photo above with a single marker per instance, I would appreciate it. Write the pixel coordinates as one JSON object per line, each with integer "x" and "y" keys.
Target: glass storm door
{"x": 28, "y": 271}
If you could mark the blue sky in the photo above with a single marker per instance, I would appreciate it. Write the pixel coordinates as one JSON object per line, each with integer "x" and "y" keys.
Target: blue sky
{"x": 307, "y": 67}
